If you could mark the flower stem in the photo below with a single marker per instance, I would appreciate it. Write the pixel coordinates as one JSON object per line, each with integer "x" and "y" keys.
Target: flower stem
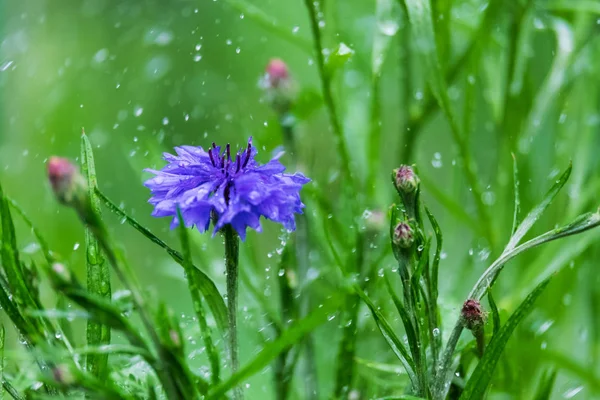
{"x": 232, "y": 247}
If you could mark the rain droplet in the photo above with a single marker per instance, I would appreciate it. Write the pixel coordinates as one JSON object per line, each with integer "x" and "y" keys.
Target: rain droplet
{"x": 76, "y": 246}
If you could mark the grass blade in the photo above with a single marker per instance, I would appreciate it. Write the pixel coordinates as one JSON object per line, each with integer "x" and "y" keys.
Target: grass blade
{"x": 213, "y": 355}
{"x": 495, "y": 312}
{"x": 517, "y": 209}
{"x": 2, "y": 336}
{"x": 420, "y": 16}
{"x": 11, "y": 263}
{"x": 537, "y": 211}
{"x": 481, "y": 377}
{"x": 269, "y": 23}
{"x": 390, "y": 336}
{"x": 98, "y": 274}
{"x": 413, "y": 341}
{"x": 544, "y": 390}
{"x": 290, "y": 337}
{"x": 581, "y": 224}
{"x": 205, "y": 284}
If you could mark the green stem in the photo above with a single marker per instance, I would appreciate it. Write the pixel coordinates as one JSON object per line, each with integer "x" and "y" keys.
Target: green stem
{"x": 232, "y": 253}
{"x": 301, "y": 242}
{"x": 327, "y": 91}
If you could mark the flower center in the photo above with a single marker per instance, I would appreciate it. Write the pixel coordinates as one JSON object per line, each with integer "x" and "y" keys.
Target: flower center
{"x": 224, "y": 163}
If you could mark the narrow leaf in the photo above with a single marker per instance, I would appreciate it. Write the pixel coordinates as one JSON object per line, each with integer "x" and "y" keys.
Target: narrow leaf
{"x": 290, "y": 337}
{"x": 481, "y": 377}
{"x": 213, "y": 355}
{"x": 389, "y": 335}
{"x": 385, "y": 29}
{"x": 205, "y": 284}
{"x": 98, "y": 274}
{"x": 537, "y": 211}
{"x": 544, "y": 391}
{"x": 413, "y": 341}
{"x": 517, "y": 209}
{"x": 11, "y": 263}
{"x": 269, "y": 23}
{"x": 581, "y": 224}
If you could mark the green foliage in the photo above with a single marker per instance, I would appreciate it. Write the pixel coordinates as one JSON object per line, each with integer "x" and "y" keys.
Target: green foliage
{"x": 490, "y": 99}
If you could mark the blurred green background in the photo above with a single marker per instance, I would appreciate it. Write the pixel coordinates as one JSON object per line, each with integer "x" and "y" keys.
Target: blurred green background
{"x": 143, "y": 76}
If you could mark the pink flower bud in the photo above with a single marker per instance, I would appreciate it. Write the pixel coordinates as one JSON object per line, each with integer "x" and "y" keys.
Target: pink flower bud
{"x": 405, "y": 179}
{"x": 473, "y": 315}
{"x": 276, "y": 72}
{"x": 67, "y": 183}
{"x": 278, "y": 86}
{"x": 403, "y": 235}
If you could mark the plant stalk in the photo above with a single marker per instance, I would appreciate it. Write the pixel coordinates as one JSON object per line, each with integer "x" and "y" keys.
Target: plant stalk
{"x": 232, "y": 253}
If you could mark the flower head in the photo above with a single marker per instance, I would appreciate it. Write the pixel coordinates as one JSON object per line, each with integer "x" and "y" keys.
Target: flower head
{"x": 235, "y": 191}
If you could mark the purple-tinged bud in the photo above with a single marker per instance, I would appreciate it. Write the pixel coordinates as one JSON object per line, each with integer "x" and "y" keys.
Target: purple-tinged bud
{"x": 404, "y": 235}
{"x": 175, "y": 338}
{"x": 68, "y": 184}
{"x": 59, "y": 274}
{"x": 405, "y": 179}
{"x": 278, "y": 86}
{"x": 473, "y": 315}
{"x": 63, "y": 375}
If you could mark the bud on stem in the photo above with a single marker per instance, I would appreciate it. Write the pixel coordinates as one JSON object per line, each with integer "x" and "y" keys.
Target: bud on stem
{"x": 278, "y": 87}
{"x": 473, "y": 318}
{"x": 406, "y": 183}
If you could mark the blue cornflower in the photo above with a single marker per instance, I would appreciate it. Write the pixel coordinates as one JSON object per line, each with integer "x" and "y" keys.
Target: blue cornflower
{"x": 205, "y": 184}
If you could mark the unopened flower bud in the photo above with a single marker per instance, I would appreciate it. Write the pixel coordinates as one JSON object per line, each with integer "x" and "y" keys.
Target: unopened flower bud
{"x": 405, "y": 179}
{"x": 473, "y": 315}
{"x": 175, "y": 338}
{"x": 277, "y": 72}
{"x": 278, "y": 86}
{"x": 62, "y": 375}
{"x": 67, "y": 183}
{"x": 403, "y": 235}
{"x": 60, "y": 275}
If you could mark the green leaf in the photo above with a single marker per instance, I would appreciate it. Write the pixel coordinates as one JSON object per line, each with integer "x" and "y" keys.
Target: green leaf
{"x": 205, "y": 284}
{"x": 544, "y": 390}
{"x": 413, "y": 340}
{"x": 481, "y": 377}
{"x": 38, "y": 236}
{"x": 439, "y": 240}
{"x": 11, "y": 263}
{"x": 290, "y": 337}
{"x": 2, "y": 336}
{"x": 98, "y": 274}
{"x": 554, "y": 83}
{"x": 402, "y": 397}
{"x": 113, "y": 349}
{"x": 581, "y": 224}
{"x": 12, "y": 392}
{"x": 495, "y": 312}
{"x": 381, "y": 367}
{"x": 269, "y": 23}
{"x": 389, "y": 335}
{"x": 537, "y": 211}
{"x": 306, "y": 103}
{"x": 213, "y": 355}
{"x": 517, "y": 208}
{"x": 338, "y": 58}
{"x": 589, "y": 6}
{"x": 386, "y": 27}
